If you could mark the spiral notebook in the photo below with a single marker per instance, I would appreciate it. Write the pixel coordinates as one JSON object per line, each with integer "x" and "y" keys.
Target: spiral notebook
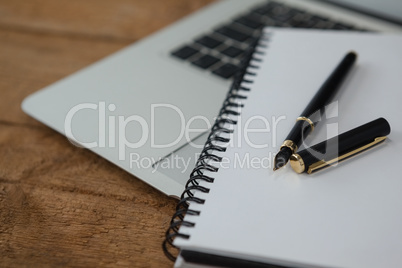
{"x": 240, "y": 213}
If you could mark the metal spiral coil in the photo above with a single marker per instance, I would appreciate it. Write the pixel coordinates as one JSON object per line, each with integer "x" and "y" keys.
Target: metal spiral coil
{"x": 209, "y": 153}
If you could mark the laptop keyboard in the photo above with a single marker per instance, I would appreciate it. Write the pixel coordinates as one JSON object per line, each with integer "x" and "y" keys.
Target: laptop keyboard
{"x": 220, "y": 50}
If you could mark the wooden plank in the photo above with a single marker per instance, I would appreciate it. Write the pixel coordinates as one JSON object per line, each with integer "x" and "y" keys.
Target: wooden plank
{"x": 102, "y": 19}
{"x": 59, "y": 204}
{"x": 31, "y": 61}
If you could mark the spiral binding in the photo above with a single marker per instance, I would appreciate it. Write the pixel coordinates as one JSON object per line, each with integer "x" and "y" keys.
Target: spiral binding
{"x": 208, "y": 153}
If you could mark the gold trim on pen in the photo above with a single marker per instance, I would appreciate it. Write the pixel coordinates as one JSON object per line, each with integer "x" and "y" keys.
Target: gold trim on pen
{"x": 290, "y": 144}
{"x": 308, "y": 120}
{"x": 322, "y": 164}
{"x": 297, "y": 163}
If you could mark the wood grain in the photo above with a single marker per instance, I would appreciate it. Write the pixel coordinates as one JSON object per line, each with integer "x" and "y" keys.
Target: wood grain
{"x": 61, "y": 205}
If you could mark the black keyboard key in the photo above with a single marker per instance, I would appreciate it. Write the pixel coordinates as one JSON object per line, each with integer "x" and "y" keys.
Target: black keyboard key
{"x": 324, "y": 25}
{"x": 282, "y": 17}
{"x": 250, "y": 23}
{"x": 273, "y": 23}
{"x": 184, "y": 52}
{"x": 342, "y": 26}
{"x": 208, "y": 42}
{"x": 226, "y": 71}
{"x": 232, "y": 51}
{"x": 205, "y": 61}
{"x": 265, "y": 9}
{"x": 319, "y": 18}
{"x": 254, "y": 17}
{"x": 306, "y": 22}
{"x": 299, "y": 18}
{"x": 311, "y": 21}
{"x": 233, "y": 34}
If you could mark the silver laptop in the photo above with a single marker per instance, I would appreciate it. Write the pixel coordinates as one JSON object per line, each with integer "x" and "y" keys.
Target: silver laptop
{"x": 147, "y": 107}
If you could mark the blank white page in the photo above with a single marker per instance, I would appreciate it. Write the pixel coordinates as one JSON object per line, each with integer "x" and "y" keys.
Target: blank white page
{"x": 344, "y": 216}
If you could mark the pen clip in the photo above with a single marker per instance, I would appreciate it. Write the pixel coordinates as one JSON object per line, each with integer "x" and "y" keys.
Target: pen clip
{"x": 322, "y": 163}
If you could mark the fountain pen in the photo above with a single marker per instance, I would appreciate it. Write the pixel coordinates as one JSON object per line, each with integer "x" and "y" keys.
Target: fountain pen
{"x": 305, "y": 125}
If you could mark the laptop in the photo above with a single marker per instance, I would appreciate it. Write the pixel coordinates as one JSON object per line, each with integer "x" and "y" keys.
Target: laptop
{"x": 148, "y": 107}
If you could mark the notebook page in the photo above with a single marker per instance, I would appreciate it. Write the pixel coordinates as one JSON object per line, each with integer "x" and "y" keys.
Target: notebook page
{"x": 347, "y": 216}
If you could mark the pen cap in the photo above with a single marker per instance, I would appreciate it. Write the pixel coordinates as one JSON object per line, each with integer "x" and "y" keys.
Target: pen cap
{"x": 340, "y": 145}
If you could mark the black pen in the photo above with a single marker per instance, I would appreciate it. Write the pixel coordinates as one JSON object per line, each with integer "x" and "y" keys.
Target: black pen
{"x": 323, "y": 97}
{"x": 342, "y": 147}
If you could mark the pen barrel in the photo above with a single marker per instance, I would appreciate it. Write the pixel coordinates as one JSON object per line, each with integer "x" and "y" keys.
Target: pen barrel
{"x": 345, "y": 143}
{"x": 322, "y": 98}
{"x": 330, "y": 87}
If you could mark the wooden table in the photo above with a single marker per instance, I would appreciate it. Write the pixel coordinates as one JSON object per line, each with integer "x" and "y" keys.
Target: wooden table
{"x": 61, "y": 205}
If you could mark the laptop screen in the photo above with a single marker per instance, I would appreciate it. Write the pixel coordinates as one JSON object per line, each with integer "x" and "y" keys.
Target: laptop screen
{"x": 386, "y": 9}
